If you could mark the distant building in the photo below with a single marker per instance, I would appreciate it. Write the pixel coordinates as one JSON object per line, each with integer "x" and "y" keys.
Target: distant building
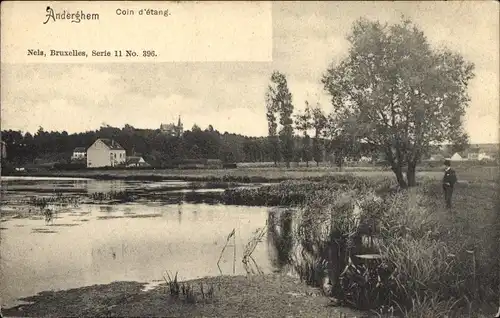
{"x": 79, "y": 153}
{"x": 4, "y": 150}
{"x": 473, "y": 154}
{"x": 105, "y": 153}
{"x": 136, "y": 161}
{"x": 488, "y": 151}
{"x": 487, "y": 148}
{"x": 456, "y": 157}
{"x": 172, "y": 129}
{"x": 365, "y": 159}
{"x": 485, "y": 156}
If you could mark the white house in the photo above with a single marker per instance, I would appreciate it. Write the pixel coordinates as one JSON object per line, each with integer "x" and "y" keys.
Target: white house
{"x": 456, "y": 157}
{"x": 365, "y": 159}
{"x": 105, "y": 153}
{"x": 79, "y": 153}
{"x": 473, "y": 154}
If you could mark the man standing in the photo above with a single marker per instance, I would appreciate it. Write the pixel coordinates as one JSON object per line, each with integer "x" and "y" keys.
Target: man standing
{"x": 449, "y": 180}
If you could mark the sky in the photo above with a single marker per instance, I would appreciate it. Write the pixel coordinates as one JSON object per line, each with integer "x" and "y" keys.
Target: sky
{"x": 307, "y": 38}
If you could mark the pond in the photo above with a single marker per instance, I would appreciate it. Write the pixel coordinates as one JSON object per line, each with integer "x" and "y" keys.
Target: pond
{"x": 81, "y": 185}
{"x": 96, "y": 243}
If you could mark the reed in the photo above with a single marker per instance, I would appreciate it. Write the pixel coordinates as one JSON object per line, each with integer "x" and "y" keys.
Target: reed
{"x": 427, "y": 261}
{"x": 249, "y": 263}
{"x": 120, "y": 196}
{"x": 187, "y": 291}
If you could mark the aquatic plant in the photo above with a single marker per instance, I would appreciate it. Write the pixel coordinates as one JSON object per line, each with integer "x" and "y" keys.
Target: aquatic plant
{"x": 49, "y": 215}
{"x": 58, "y": 199}
{"x": 40, "y": 203}
{"x": 187, "y": 289}
{"x": 231, "y": 235}
{"x": 257, "y": 238}
{"x": 172, "y": 284}
{"x": 121, "y": 196}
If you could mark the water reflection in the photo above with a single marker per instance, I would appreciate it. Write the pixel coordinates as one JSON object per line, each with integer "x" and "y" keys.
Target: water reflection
{"x": 279, "y": 236}
{"x": 75, "y": 185}
{"x": 179, "y": 213}
{"x": 106, "y": 208}
{"x": 124, "y": 242}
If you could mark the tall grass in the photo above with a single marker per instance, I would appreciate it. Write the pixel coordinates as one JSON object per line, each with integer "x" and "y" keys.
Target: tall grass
{"x": 121, "y": 196}
{"x": 430, "y": 260}
{"x": 188, "y": 290}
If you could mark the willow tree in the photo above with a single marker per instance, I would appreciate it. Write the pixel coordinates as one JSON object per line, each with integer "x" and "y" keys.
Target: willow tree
{"x": 397, "y": 93}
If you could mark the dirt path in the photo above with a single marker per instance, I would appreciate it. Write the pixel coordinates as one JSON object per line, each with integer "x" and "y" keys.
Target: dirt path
{"x": 254, "y": 296}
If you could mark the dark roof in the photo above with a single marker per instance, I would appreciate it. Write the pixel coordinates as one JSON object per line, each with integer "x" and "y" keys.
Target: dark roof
{"x": 113, "y": 145}
{"x": 80, "y": 149}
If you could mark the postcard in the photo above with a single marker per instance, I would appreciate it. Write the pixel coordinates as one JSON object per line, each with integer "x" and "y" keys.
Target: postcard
{"x": 249, "y": 159}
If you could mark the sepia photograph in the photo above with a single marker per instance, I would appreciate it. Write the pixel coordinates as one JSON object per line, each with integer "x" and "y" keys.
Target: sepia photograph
{"x": 250, "y": 159}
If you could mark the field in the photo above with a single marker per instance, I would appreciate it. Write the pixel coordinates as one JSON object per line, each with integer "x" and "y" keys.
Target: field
{"x": 267, "y": 174}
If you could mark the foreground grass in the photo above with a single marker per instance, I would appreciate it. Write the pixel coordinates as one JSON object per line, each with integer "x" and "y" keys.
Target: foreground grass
{"x": 433, "y": 262}
{"x": 253, "y": 296}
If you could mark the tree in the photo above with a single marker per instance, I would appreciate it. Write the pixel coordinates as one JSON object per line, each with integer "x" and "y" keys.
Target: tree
{"x": 303, "y": 124}
{"x": 319, "y": 124}
{"x": 460, "y": 143}
{"x": 272, "y": 109}
{"x": 279, "y": 99}
{"x": 399, "y": 94}
{"x": 195, "y": 152}
{"x": 342, "y": 140}
{"x": 195, "y": 128}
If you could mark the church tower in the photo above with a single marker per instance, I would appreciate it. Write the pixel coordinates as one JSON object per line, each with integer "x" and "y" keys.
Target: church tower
{"x": 180, "y": 127}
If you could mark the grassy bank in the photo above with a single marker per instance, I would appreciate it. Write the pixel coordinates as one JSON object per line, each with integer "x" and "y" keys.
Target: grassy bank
{"x": 428, "y": 262}
{"x": 253, "y": 296}
{"x": 292, "y": 192}
{"x": 241, "y": 175}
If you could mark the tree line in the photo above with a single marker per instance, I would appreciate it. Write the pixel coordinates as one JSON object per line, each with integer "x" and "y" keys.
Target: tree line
{"x": 156, "y": 147}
